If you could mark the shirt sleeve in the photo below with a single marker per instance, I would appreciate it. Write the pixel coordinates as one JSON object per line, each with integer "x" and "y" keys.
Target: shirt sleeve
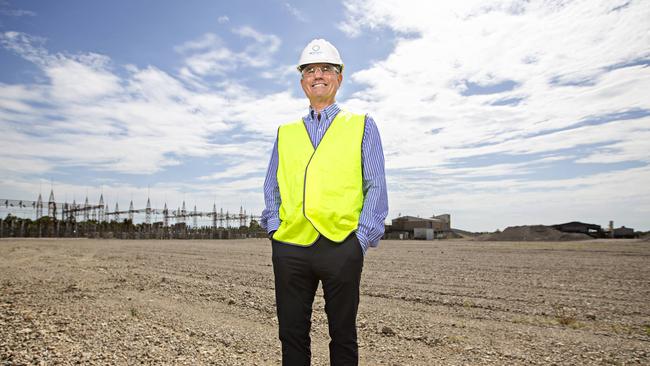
{"x": 270, "y": 219}
{"x": 375, "y": 204}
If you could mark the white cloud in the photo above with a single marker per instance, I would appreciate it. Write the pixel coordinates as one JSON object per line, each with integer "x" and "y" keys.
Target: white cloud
{"x": 85, "y": 115}
{"x": 20, "y": 166}
{"x": 81, "y": 80}
{"x": 492, "y": 204}
{"x": 490, "y": 47}
{"x": 566, "y": 61}
{"x": 6, "y": 9}
{"x": 208, "y": 55}
{"x": 205, "y": 42}
{"x": 297, "y": 13}
{"x": 73, "y": 78}
{"x": 260, "y": 52}
{"x": 27, "y": 46}
{"x": 240, "y": 170}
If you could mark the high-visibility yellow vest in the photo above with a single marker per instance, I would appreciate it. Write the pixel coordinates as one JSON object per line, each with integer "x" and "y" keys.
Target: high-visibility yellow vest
{"x": 321, "y": 189}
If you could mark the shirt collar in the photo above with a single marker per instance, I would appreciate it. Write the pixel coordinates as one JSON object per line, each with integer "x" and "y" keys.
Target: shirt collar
{"x": 328, "y": 112}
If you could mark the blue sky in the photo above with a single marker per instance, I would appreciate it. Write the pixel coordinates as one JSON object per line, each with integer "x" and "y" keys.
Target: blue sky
{"x": 498, "y": 112}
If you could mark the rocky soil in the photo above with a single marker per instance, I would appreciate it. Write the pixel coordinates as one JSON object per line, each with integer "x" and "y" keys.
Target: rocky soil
{"x": 455, "y": 302}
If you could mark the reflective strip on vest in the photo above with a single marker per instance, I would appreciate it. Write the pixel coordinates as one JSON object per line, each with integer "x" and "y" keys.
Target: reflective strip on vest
{"x": 321, "y": 190}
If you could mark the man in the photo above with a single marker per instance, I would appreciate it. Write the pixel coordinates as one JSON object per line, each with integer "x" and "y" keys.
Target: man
{"x": 325, "y": 196}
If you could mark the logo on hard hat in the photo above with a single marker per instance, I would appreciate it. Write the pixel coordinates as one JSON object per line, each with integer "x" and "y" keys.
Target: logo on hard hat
{"x": 315, "y": 50}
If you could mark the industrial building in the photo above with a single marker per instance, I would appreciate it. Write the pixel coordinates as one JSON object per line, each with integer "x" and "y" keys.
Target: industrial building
{"x": 623, "y": 233}
{"x": 592, "y": 230}
{"x": 596, "y": 231}
{"x": 412, "y": 227}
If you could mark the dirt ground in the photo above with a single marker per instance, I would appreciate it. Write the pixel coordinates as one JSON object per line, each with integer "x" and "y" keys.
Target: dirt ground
{"x": 423, "y": 303}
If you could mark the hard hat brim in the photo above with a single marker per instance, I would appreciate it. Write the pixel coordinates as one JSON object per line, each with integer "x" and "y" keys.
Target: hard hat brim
{"x": 300, "y": 67}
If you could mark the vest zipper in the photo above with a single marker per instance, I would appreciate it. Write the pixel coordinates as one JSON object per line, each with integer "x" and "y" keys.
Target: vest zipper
{"x": 304, "y": 178}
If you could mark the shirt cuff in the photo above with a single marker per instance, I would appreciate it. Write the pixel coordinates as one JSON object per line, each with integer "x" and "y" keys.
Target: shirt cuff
{"x": 363, "y": 241}
{"x": 272, "y": 224}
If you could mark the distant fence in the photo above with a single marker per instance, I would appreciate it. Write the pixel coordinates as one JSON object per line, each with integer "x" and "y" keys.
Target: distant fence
{"x": 46, "y": 227}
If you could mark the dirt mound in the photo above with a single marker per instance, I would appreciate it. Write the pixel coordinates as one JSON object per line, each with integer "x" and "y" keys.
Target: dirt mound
{"x": 645, "y": 237}
{"x": 532, "y": 233}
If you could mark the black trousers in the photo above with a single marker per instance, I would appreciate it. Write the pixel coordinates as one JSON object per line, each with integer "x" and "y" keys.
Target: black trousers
{"x": 297, "y": 272}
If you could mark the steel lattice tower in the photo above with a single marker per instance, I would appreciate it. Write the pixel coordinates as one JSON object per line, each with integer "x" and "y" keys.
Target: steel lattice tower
{"x": 147, "y": 211}
{"x": 39, "y": 207}
{"x": 131, "y": 211}
{"x": 214, "y": 216}
{"x": 100, "y": 212}
{"x": 86, "y": 210}
{"x": 51, "y": 206}
{"x": 73, "y": 214}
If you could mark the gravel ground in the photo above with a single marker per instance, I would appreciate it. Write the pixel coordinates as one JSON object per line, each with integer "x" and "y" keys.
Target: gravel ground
{"x": 450, "y": 302}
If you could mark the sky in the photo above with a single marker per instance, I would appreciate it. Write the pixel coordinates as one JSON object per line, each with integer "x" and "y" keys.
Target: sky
{"x": 499, "y": 113}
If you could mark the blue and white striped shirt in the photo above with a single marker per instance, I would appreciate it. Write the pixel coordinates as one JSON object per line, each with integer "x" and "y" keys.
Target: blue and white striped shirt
{"x": 375, "y": 204}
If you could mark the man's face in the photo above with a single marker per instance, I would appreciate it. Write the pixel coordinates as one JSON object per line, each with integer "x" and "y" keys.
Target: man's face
{"x": 321, "y": 85}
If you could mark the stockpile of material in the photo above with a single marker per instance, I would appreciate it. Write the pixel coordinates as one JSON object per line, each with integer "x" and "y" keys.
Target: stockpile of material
{"x": 532, "y": 233}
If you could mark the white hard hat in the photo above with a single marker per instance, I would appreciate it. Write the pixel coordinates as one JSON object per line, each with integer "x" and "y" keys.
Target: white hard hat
{"x": 320, "y": 51}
